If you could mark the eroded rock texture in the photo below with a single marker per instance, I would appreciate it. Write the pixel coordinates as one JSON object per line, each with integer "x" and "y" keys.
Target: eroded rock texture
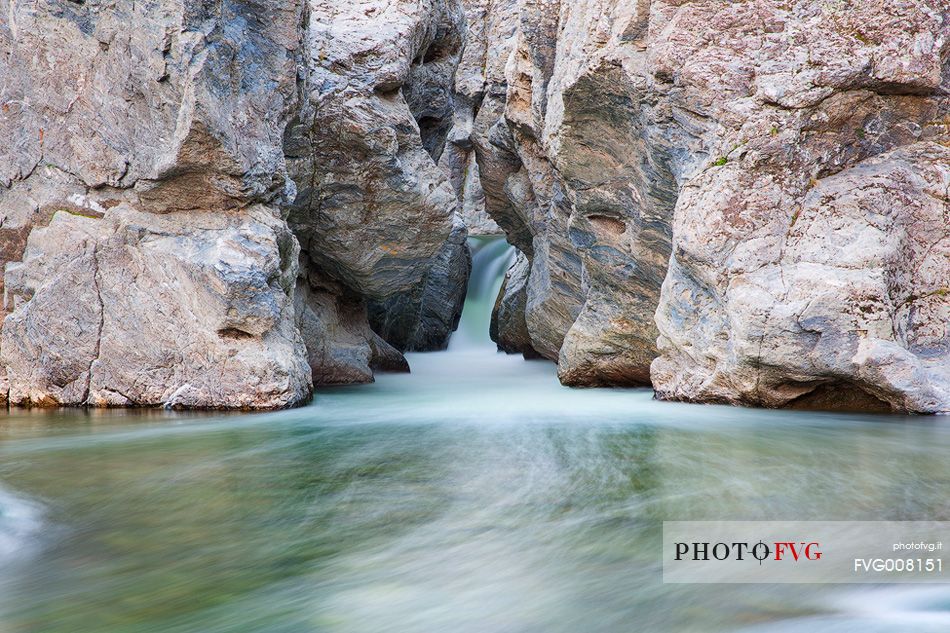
{"x": 424, "y": 317}
{"x": 479, "y": 91}
{"x": 341, "y": 346}
{"x": 190, "y": 311}
{"x": 508, "y": 328}
{"x": 148, "y": 136}
{"x": 373, "y": 210}
{"x": 210, "y": 206}
{"x": 776, "y": 167}
{"x": 519, "y": 190}
{"x": 144, "y": 194}
{"x": 811, "y": 257}
{"x": 577, "y": 169}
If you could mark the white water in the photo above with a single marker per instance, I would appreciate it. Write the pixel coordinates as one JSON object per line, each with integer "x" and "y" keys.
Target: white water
{"x": 491, "y": 257}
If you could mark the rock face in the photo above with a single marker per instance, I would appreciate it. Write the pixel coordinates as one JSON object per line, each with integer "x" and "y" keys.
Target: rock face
{"x": 373, "y": 210}
{"x": 151, "y": 145}
{"x": 341, "y": 347}
{"x": 851, "y": 308}
{"x": 479, "y": 84}
{"x": 815, "y": 244}
{"x": 217, "y": 206}
{"x": 16, "y": 222}
{"x": 150, "y": 165}
{"x": 755, "y": 192}
{"x": 141, "y": 291}
{"x": 508, "y": 327}
{"x": 577, "y": 168}
{"x": 423, "y": 318}
{"x": 522, "y": 193}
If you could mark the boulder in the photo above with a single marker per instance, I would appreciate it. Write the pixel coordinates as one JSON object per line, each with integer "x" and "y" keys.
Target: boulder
{"x": 508, "y": 328}
{"x": 190, "y": 310}
{"x": 849, "y": 310}
{"x": 423, "y": 319}
{"x": 341, "y": 347}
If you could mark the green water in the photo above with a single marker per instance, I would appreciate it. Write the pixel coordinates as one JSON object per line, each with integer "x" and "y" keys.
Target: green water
{"x": 475, "y": 495}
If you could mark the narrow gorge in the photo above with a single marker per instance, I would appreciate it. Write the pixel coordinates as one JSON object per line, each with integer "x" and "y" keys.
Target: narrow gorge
{"x": 474, "y": 316}
{"x": 226, "y": 205}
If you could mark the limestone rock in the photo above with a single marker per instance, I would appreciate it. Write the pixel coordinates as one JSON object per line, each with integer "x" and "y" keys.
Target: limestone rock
{"x": 371, "y": 202}
{"x": 157, "y": 137}
{"x": 578, "y": 173}
{"x": 373, "y": 209}
{"x": 673, "y": 143}
{"x": 424, "y": 318}
{"x": 522, "y": 191}
{"x": 851, "y": 302}
{"x": 480, "y": 71}
{"x": 161, "y": 99}
{"x": 508, "y": 327}
{"x": 810, "y": 256}
{"x": 341, "y": 347}
{"x": 182, "y": 310}
{"x": 16, "y": 223}
{"x": 462, "y": 168}
{"x": 152, "y": 135}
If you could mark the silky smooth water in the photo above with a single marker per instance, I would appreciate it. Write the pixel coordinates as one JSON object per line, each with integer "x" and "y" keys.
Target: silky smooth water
{"x": 474, "y": 495}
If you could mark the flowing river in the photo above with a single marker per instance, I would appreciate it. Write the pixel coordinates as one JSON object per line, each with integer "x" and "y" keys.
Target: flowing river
{"x": 474, "y": 495}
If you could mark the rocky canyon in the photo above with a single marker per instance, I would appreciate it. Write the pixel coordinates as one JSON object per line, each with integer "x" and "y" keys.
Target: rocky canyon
{"x": 222, "y": 205}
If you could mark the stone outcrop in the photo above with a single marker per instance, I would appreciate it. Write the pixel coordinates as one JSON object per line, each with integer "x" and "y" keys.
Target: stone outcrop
{"x": 153, "y": 153}
{"x": 373, "y": 210}
{"x": 577, "y": 170}
{"x": 217, "y": 206}
{"x": 522, "y": 192}
{"x": 479, "y": 89}
{"x": 423, "y": 318}
{"x": 849, "y": 309}
{"x": 149, "y": 137}
{"x": 341, "y": 347}
{"x": 16, "y": 223}
{"x": 815, "y": 244}
{"x": 132, "y": 295}
{"x": 508, "y": 328}
{"x": 753, "y": 192}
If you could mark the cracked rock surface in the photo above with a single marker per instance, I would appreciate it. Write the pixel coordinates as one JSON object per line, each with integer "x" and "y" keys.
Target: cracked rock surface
{"x": 811, "y": 253}
{"x": 373, "y": 210}
{"x": 145, "y": 193}
{"x": 739, "y": 202}
{"x": 115, "y": 311}
{"x": 142, "y": 178}
{"x": 217, "y": 206}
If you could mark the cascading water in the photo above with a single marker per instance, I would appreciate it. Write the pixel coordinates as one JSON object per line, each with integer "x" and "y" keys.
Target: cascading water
{"x": 475, "y": 495}
{"x": 491, "y": 257}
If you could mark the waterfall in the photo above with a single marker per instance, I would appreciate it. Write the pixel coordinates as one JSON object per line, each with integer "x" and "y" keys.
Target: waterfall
{"x": 491, "y": 257}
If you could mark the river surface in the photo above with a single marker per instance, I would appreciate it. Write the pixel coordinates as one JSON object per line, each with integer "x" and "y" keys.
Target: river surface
{"x": 475, "y": 495}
